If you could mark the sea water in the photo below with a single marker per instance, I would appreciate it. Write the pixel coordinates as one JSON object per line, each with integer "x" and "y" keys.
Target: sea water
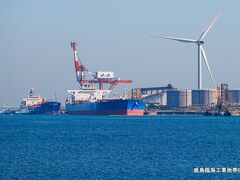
{"x": 118, "y": 147}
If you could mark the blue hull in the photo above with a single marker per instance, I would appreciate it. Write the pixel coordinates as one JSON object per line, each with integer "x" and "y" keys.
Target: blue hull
{"x": 46, "y": 108}
{"x": 108, "y": 107}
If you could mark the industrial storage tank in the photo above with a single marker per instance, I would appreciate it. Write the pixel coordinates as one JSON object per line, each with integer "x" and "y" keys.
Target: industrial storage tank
{"x": 204, "y": 97}
{"x": 179, "y": 98}
{"x": 234, "y": 96}
{"x": 163, "y": 99}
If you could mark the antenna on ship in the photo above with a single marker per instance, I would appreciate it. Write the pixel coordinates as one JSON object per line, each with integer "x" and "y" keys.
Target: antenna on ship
{"x": 31, "y": 92}
{"x": 55, "y": 96}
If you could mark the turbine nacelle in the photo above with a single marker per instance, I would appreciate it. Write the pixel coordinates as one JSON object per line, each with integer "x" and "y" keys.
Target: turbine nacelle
{"x": 200, "y": 42}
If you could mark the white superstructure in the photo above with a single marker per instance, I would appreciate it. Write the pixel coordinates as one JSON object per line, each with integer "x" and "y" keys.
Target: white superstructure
{"x": 32, "y": 100}
{"x": 88, "y": 92}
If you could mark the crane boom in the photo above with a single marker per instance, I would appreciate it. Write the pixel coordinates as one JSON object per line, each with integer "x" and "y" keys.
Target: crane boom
{"x": 79, "y": 68}
{"x": 100, "y": 78}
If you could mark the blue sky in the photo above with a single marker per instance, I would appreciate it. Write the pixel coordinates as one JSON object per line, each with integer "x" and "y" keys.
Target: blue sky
{"x": 113, "y": 36}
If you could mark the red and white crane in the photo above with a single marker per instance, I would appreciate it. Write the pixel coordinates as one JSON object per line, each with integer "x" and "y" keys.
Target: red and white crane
{"x": 100, "y": 78}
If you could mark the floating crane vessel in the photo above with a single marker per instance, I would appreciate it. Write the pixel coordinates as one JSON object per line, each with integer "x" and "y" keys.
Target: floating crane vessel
{"x": 92, "y": 100}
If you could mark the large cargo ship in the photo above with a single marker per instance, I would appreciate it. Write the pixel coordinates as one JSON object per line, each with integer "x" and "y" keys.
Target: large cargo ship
{"x": 94, "y": 104}
{"x": 107, "y": 107}
{"x": 34, "y": 104}
{"x": 92, "y": 100}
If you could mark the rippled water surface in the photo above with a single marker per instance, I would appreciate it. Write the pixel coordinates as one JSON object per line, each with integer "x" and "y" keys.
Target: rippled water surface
{"x": 99, "y": 147}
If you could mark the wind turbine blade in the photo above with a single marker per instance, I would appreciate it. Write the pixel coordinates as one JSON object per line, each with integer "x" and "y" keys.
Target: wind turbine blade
{"x": 176, "y": 39}
{"x": 210, "y": 25}
{"x": 206, "y": 61}
{"x": 207, "y": 29}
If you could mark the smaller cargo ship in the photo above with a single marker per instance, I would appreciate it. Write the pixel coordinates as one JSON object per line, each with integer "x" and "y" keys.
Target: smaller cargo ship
{"x": 8, "y": 111}
{"x": 35, "y": 104}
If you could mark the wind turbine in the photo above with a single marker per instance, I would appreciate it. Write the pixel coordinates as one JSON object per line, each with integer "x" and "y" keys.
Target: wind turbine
{"x": 201, "y": 53}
